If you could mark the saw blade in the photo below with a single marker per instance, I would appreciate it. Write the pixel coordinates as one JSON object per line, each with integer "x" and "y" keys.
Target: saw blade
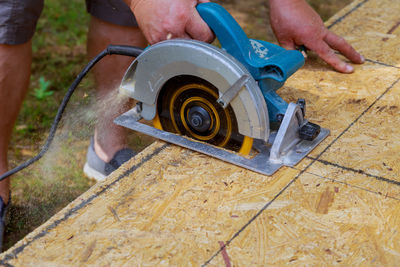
{"x": 188, "y": 106}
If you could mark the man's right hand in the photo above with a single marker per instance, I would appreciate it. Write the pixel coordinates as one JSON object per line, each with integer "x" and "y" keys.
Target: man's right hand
{"x": 295, "y": 23}
{"x": 165, "y": 19}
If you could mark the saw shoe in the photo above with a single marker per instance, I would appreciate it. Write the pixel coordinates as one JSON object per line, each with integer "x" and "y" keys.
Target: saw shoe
{"x": 96, "y": 168}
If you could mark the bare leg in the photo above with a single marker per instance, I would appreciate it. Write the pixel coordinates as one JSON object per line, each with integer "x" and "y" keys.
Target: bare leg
{"x": 109, "y": 138}
{"x": 15, "y": 69}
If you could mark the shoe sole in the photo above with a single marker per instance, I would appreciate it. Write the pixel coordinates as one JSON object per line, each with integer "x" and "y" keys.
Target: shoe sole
{"x": 92, "y": 173}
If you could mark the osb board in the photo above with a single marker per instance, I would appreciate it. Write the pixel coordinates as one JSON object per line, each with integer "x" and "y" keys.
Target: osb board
{"x": 378, "y": 184}
{"x": 335, "y": 100}
{"x": 317, "y": 222}
{"x": 168, "y": 206}
{"x": 373, "y": 28}
{"x": 340, "y": 206}
{"x": 372, "y": 143}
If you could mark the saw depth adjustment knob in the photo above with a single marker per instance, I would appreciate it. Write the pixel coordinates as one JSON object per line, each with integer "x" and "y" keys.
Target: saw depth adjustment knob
{"x": 309, "y": 131}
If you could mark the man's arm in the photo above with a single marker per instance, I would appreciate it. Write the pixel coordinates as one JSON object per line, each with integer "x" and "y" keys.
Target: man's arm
{"x": 161, "y": 20}
{"x": 295, "y": 23}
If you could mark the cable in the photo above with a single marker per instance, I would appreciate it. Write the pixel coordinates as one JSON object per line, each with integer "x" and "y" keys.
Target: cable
{"x": 110, "y": 50}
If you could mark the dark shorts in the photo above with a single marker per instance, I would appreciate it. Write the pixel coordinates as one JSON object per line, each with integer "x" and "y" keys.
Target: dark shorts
{"x": 18, "y": 18}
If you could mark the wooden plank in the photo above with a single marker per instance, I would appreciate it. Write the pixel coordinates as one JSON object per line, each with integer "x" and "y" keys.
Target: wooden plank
{"x": 373, "y": 28}
{"x": 324, "y": 223}
{"x": 364, "y": 180}
{"x": 372, "y": 143}
{"x": 173, "y": 208}
{"x": 335, "y": 100}
{"x": 339, "y": 206}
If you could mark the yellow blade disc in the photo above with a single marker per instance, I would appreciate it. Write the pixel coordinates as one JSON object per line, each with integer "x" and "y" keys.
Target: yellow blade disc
{"x": 244, "y": 149}
{"x": 182, "y": 95}
{"x": 246, "y": 146}
{"x": 157, "y": 122}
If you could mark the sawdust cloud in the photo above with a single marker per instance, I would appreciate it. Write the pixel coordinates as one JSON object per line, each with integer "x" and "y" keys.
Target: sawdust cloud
{"x": 67, "y": 153}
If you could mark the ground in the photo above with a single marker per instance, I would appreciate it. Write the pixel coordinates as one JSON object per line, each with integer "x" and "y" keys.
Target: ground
{"x": 59, "y": 55}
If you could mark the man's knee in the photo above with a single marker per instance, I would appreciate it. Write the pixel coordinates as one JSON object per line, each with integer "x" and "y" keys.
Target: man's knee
{"x": 112, "y": 21}
{"x": 19, "y": 55}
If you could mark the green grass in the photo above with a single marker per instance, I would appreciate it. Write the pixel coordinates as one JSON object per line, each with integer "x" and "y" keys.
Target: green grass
{"x": 59, "y": 47}
{"x": 58, "y": 56}
{"x": 43, "y": 92}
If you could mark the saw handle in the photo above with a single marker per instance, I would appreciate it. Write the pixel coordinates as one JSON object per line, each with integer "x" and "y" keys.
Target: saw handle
{"x": 229, "y": 33}
{"x": 262, "y": 59}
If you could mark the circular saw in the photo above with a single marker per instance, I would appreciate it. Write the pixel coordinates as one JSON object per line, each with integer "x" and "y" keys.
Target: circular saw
{"x": 221, "y": 101}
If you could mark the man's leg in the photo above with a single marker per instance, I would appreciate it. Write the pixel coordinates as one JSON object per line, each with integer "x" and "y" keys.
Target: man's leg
{"x": 15, "y": 63}
{"x": 109, "y": 138}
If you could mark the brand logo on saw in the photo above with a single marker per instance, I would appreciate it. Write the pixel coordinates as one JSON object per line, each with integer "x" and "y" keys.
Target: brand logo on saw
{"x": 260, "y": 50}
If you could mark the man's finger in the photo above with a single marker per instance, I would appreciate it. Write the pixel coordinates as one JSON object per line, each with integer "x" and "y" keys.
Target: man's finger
{"x": 339, "y": 44}
{"x": 287, "y": 44}
{"x": 198, "y": 29}
{"x": 329, "y": 56}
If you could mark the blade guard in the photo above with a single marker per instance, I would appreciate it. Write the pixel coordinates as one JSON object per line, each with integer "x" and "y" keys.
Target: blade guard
{"x": 161, "y": 62}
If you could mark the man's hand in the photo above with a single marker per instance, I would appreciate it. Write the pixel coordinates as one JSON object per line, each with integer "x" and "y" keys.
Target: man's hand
{"x": 165, "y": 19}
{"x": 295, "y": 23}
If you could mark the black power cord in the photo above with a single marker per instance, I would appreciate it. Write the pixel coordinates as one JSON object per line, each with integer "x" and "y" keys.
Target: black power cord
{"x": 110, "y": 50}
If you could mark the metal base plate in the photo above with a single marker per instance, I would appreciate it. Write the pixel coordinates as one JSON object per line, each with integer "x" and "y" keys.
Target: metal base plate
{"x": 259, "y": 163}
